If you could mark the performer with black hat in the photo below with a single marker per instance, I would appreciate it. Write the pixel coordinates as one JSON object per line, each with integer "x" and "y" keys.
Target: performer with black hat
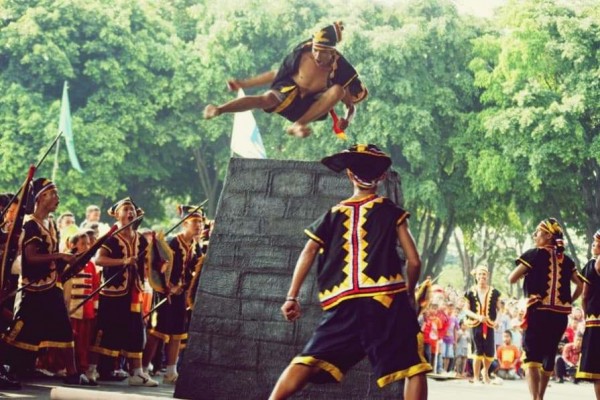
{"x": 589, "y": 364}
{"x": 310, "y": 82}
{"x": 368, "y": 304}
{"x": 169, "y": 322}
{"x": 548, "y": 274}
{"x": 120, "y": 329}
{"x": 42, "y": 319}
{"x": 482, "y": 302}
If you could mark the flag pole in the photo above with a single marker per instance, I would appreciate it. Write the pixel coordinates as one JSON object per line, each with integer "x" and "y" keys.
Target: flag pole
{"x": 55, "y": 167}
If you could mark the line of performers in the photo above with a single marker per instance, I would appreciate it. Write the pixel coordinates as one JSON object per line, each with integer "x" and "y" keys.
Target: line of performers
{"x": 547, "y": 274}
{"x": 128, "y": 259}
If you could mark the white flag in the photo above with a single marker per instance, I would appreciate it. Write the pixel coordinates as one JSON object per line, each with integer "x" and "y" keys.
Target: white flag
{"x": 245, "y": 139}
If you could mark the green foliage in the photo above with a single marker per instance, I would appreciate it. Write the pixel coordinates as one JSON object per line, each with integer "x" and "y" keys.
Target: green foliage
{"x": 489, "y": 123}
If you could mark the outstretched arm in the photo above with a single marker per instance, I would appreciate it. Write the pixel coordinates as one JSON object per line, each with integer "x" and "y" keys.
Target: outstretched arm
{"x": 291, "y": 306}
{"x": 413, "y": 260}
{"x": 258, "y": 80}
{"x": 350, "y": 110}
{"x": 517, "y": 273}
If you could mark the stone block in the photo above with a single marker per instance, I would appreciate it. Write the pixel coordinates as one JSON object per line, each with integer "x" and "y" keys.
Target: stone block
{"x": 296, "y": 183}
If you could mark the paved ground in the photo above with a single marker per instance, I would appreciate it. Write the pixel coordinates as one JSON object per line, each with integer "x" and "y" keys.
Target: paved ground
{"x": 443, "y": 390}
{"x": 509, "y": 390}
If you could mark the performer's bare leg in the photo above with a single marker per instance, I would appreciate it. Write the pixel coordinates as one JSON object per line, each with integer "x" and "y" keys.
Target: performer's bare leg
{"x": 533, "y": 381}
{"x": 326, "y": 102}
{"x": 149, "y": 351}
{"x": 416, "y": 387}
{"x": 476, "y": 369}
{"x": 292, "y": 380}
{"x": 486, "y": 371}
{"x": 597, "y": 389}
{"x": 544, "y": 378}
{"x": 264, "y": 101}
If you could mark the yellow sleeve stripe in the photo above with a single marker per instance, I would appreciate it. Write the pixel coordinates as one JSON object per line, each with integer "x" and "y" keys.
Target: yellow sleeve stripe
{"x": 583, "y": 278}
{"x": 525, "y": 263}
{"x": 402, "y": 218}
{"x": 314, "y": 237}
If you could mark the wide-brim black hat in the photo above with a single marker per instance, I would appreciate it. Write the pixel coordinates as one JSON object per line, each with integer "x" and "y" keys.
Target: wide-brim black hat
{"x": 366, "y": 161}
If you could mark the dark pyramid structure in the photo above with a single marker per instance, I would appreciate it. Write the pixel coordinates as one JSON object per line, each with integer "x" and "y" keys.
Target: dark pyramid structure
{"x": 239, "y": 342}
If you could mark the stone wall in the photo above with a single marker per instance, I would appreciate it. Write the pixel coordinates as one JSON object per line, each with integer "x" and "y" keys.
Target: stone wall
{"x": 239, "y": 342}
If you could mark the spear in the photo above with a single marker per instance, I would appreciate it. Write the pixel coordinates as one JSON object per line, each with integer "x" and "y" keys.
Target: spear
{"x": 35, "y": 169}
{"x": 74, "y": 268}
{"x": 107, "y": 281}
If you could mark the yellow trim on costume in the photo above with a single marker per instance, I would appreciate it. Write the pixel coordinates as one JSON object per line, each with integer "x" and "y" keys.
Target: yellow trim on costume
{"x": 105, "y": 247}
{"x": 532, "y": 364}
{"x": 136, "y": 308}
{"x": 60, "y": 345}
{"x": 21, "y": 345}
{"x": 314, "y": 237}
{"x": 31, "y": 239}
{"x": 135, "y": 356}
{"x": 355, "y": 296}
{"x": 525, "y": 263}
{"x": 287, "y": 101}
{"x": 405, "y": 373}
{"x": 386, "y": 300}
{"x": 583, "y": 278}
{"x": 182, "y": 336}
{"x": 587, "y": 375}
{"x": 349, "y": 81}
{"x": 166, "y": 338}
{"x": 104, "y": 351}
{"x": 402, "y": 218}
{"x": 421, "y": 347}
{"x": 334, "y": 371}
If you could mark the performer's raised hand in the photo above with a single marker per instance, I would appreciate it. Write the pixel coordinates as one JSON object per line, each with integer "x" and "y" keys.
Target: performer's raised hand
{"x": 291, "y": 310}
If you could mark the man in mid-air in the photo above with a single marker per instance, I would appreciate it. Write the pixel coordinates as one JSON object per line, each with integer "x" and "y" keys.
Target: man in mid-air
{"x": 312, "y": 79}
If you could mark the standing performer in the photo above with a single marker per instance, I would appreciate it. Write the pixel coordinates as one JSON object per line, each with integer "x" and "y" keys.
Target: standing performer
{"x": 548, "y": 273}
{"x": 481, "y": 308}
{"x": 589, "y": 364}
{"x": 169, "y": 322}
{"x": 309, "y": 83}
{"x": 368, "y": 305}
{"x": 120, "y": 327}
{"x": 42, "y": 320}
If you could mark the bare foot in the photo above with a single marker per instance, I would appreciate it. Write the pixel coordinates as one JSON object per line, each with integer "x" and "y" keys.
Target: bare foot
{"x": 299, "y": 130}
{"x": 211, "y": 111}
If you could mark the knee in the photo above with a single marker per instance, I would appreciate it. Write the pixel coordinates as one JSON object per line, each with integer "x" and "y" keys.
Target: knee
{"x": 269, "y": 100}
{"x": 337, "y": 91}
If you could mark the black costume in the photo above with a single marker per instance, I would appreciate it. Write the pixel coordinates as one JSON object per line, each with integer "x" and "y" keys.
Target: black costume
{"x": 589, "y": 364}
{"x": 547, "y": 288}
{"x": 483, "y": 332}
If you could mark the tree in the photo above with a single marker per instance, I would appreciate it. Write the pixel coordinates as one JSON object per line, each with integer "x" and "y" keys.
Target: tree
{"x": 539, "y": 84}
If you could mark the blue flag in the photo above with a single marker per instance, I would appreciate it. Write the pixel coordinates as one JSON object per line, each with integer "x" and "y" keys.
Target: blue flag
{"x": 64, "y": 125}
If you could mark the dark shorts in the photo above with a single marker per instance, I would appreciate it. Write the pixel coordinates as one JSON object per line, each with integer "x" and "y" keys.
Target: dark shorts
{"x": 292, "y": 106}
{"x": 168, "y": 321}
{"x": 540, "y": 339}
{"x": 360, "y": 327}
{"x": 483, "y": 347}
{"x": 42, "y": 320}
{"x": 589, "y": 364}
{"x": 120, "y": 331}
